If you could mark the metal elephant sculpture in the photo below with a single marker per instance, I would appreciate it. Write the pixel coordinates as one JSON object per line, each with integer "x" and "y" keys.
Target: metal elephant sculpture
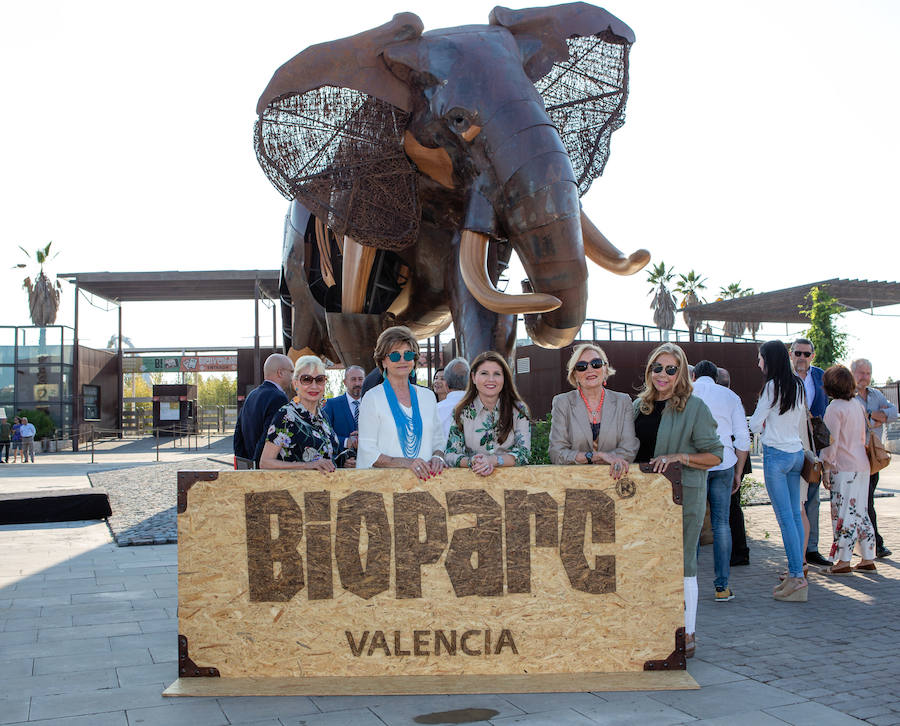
{"x": 417, "y": 162}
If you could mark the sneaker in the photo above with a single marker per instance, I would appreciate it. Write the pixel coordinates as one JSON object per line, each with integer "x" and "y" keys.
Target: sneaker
{"x": 724, "y": 594}
{"x": 883, "y": 552}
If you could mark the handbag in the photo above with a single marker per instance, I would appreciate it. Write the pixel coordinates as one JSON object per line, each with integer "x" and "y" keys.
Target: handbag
{"x": 879, "y": 457}
{"x": 820, "y": 435}
{"x": 812, "y": 467}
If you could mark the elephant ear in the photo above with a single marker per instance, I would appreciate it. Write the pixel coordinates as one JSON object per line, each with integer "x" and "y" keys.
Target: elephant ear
{"x": 330, "y": 134}
{"x": 577, "y": 56}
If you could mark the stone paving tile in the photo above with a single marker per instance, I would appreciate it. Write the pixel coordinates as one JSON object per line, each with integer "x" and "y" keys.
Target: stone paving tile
{"x": 636, "y": 709}
{"x": 361, "y": 717}
{"x": 747, "y": 718}
{"x": 538, "y": 702}
{"x": 726, "y": 698}
{"x": 133, "y": 675}
{"x": 13, "y": 709}
{"x": 16, "y": 667}
{"x": 79, "y": 632}
{"x": 811, "y": 714}
{"x": 162, "y": 625}
{"x": 204, "y": 712}
{"x": 277, "y": 707}
{"x": 84, "y": 703}
{"x": 30, "y": 622}
{"x": 558, "y": 717}
{"x": 397, "y": 710}
{"x": 114, "y": 718}
{"x": 46, "y": 685}
{"x": 66, "y": 663}
{"x": 123, "y": 615}
{"x": 86, "y": 646}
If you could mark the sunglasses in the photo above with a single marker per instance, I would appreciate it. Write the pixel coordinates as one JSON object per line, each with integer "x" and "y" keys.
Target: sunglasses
{"x": 658, "y": 367}
{"x": 582, "y": 365}
{"x": 307, "y": 380}
{"x": 804, "y": 353}
{"x": 407, "y": 356}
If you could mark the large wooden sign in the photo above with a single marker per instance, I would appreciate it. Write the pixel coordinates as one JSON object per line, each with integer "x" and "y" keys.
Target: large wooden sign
{"x": 534, "y": 578}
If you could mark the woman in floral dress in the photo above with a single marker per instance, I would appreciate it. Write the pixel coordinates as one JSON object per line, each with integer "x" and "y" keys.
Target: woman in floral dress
{"x": 300, "y": 437}
{"x": 491, "y": 423}
{"x": 847, "y": 473}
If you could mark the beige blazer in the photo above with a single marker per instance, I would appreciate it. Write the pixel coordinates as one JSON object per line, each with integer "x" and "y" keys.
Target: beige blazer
{"x": 570, "y": 427}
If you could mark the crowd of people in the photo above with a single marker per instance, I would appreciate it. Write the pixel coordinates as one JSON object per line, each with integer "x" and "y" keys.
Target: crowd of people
{"x": 16, "y": 437}
{"x": 475, "y": 418}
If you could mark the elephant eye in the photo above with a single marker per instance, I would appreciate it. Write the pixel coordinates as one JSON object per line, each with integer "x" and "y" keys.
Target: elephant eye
{"x": 459, "y": 120}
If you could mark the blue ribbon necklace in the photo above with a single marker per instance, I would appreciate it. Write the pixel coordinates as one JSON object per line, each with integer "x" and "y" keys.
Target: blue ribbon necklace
{"x": 409, "y": 428}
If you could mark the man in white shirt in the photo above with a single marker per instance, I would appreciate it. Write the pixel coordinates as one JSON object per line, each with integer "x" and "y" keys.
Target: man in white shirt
{"x": 725, "y": 478}
{"x": 456, "y": 378}
{"x": 27, "y": 432}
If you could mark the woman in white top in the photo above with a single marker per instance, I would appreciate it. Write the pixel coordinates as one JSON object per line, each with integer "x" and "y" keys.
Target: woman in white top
{"x": 781, "y": 417}
{"x": 399, "y": 426}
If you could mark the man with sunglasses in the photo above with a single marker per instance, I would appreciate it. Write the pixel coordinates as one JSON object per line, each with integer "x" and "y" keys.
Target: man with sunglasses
{"x": 260, "y": 406}
{"x": 803, "y": 353}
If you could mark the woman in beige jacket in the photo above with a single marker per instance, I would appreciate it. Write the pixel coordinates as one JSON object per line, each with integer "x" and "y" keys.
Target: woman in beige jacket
{"x": 592, "y": 425}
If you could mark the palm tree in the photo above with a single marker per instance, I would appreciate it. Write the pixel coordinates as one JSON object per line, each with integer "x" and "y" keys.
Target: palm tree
{"x": 43, "y": 295}
{"x": 663, "y": 303}
{"x": 732, "y": 328}
{"x": 752, "y": 326}
{"x": 688, "y": 285}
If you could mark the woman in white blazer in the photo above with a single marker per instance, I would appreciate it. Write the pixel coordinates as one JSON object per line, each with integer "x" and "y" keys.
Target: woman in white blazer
{"x": 399, "y": 427}
{"x": 592, "y": 425}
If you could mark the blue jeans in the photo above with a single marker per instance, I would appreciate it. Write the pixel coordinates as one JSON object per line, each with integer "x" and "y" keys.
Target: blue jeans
{"x": 812, "y": 512}
{"x": 782, "y": 472}
{"x": 719, "y": 485}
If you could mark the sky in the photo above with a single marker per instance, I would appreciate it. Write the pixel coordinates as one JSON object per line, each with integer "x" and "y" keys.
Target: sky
{"x": 759, "y": 147}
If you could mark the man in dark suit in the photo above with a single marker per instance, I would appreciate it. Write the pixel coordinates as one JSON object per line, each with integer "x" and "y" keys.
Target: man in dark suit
{"x": 260, "y": 407}
{"x": 342, "y": 411}
{"x": 803, "y": 353}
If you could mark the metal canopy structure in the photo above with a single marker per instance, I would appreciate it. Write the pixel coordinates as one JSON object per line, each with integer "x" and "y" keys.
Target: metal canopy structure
{"x": 170, "y": 286}
{"x": 177, "y": 285}
{"x": 783, "y": 306}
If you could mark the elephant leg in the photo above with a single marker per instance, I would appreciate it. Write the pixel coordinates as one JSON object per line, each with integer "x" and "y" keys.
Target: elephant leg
{"x": 477, "y": 328}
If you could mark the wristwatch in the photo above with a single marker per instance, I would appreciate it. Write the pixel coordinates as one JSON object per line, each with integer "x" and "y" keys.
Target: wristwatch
{"x": 499, "y": 460}
{"x": 590, "y": 457}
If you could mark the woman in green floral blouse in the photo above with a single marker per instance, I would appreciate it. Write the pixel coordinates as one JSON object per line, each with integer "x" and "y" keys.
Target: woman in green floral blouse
{"x": 491, "y": 423}
{"x": 299, "y": 436}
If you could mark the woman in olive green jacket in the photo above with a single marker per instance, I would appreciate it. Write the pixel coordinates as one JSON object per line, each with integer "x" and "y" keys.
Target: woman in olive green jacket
{"x": 673, "y": 425}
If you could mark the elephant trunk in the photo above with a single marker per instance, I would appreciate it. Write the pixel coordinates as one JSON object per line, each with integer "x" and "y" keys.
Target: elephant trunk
{"x": 541, "y": 216}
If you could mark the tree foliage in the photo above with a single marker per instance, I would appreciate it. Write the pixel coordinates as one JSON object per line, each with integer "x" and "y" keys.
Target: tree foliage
{"x": 663, "y": 303}
{"x": 217, "y": 391}
{"x": 43, "y": 295}
{"x": 830, "y": 343}
{"x": 689, "y": 286}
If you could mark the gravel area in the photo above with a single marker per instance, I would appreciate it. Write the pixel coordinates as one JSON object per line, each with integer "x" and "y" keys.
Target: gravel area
{"x": 143, "y": 498}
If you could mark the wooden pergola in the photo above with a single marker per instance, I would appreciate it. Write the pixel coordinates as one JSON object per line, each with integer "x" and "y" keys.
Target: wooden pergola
{"x": 784, "y": 306}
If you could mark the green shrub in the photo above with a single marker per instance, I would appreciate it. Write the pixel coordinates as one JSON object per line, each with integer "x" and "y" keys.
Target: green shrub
{"x": 43, "y": 424}
{"x": 540, "y": 441}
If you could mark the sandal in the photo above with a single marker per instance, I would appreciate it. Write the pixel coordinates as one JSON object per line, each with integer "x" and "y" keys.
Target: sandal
{"x": 845, "y": 570}
{"x": 690, "y": 646}
{"x": 798, "y": 594}
{"x": 784, "y": 575}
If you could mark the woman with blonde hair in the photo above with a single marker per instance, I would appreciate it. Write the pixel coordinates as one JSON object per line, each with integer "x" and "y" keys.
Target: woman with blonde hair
{"x": 399, "y": 425}
{"x": 300, "y": 436}
{"x": 591, "y": 424}
{"x": 673, "y": 425}
{"x": 490, "y": 423}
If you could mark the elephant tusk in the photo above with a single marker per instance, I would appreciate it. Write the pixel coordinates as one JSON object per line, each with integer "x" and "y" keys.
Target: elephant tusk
{"x": 602, "y": 252}
{"x": 355, "y": 269}
{"x": 473, "y": 266}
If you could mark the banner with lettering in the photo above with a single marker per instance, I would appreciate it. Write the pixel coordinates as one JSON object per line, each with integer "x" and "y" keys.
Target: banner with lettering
{"x": 532, "y": 570}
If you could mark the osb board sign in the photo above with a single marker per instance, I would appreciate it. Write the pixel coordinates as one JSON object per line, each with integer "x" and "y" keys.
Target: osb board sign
{"x": 532, "y": 570}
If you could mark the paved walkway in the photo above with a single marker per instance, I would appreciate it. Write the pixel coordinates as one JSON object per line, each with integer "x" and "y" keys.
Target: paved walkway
{"x": 88, "y": 637}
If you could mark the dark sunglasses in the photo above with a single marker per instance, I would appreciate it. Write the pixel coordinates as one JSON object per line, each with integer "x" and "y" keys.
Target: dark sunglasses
{"x": 307, "y": 380}
{"x": 804, "y": 353}
{"x": 582, "y": 365}
{"x": 407, "y": 356}
{"x": 670, "y": 370}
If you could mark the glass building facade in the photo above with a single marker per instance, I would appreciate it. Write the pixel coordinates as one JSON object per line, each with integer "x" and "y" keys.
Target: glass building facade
{"x": 36, "y": 371}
